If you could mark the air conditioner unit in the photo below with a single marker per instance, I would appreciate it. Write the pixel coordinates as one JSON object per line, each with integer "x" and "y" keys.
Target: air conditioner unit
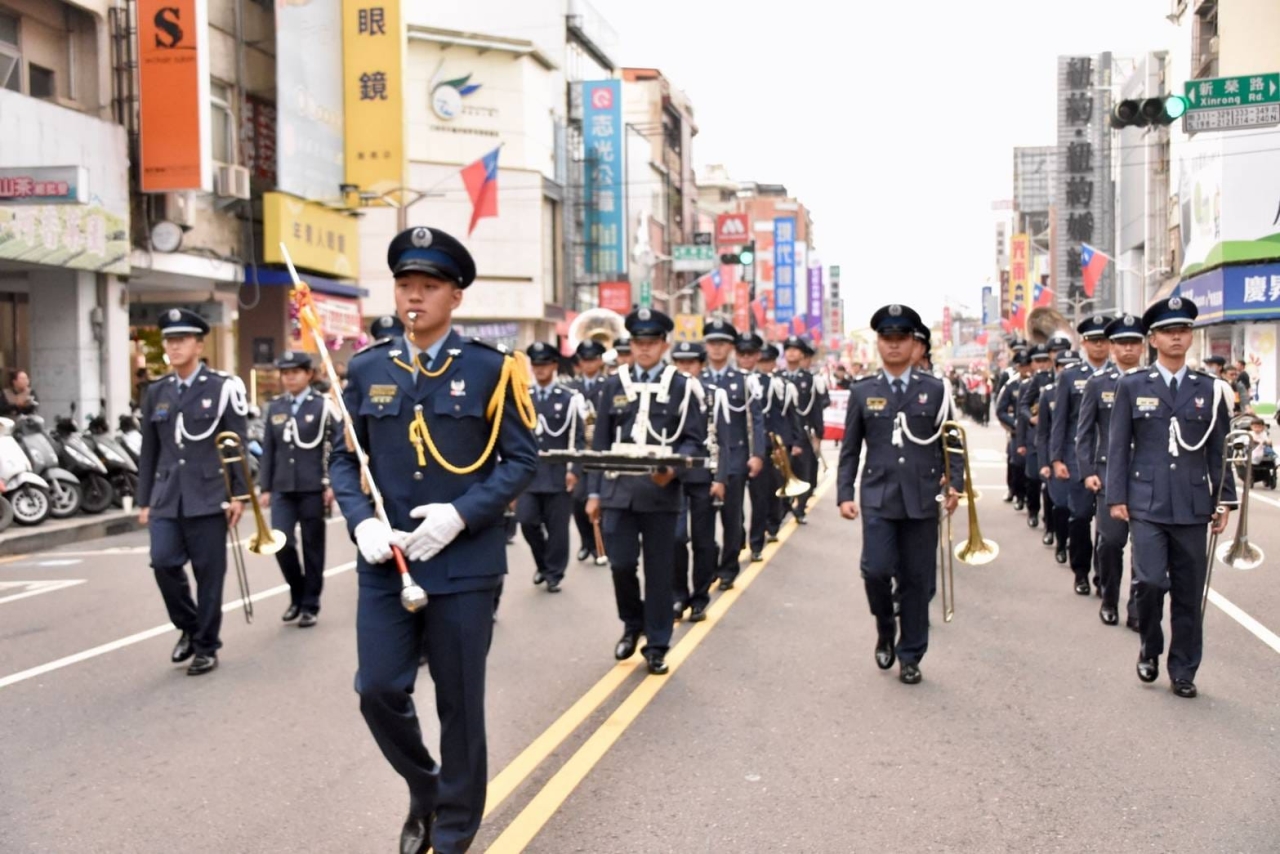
{"x": 231, "y": 182}
{"x": 180, "y": 209}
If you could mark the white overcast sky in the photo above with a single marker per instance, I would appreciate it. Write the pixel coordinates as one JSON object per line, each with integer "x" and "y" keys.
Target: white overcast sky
{"x": 893, "y": 122}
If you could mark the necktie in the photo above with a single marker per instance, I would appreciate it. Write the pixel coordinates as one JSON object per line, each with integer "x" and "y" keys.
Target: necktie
{"x": 897, "y": 389}
{"x": 1173, "y": 386}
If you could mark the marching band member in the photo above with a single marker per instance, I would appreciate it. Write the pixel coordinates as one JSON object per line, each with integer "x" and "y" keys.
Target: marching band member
{"x": 590, "y": 384}
{"x": 1164, "y": 474}
{"x": 1069, "y": 391}
{"x": 1056, "y": 489}
{"x": 448, "y": 427}
{"x": 770, "y": 390}
{"x": 696, "y": 524}
{"x": 293, "y": 479}
{"x": 740, "y": 436}
{"x": 1092, "y": 433}
{"x": 789, "y": 411}
{"x": 644, "y": 404}
{"x": 1007, "y": 415}
{"x": 899, "y": 415}
{"x": 544, "y": 508}
{"x": 795, "y": 349}
{"x": 1028, "y": 410}
{"x": 181, "y": 492}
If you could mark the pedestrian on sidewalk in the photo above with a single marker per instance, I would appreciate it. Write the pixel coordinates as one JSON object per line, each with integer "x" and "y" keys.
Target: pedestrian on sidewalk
{"x": 18, "y": 398}
{"x": 182, "y": 495}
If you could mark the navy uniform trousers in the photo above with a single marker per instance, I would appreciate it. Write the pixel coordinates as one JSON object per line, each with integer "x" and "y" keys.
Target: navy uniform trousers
{"x": 624, "y": 533}
{"x": 544, "y": 522}
{"x": 762, "y": 489}
{"x": 905, "y": 549}
{"x": 1113, "y": 536}
{"x": 304, "y": 510}
{"x": 202, "y": 541}
{"x": 1169, "y": 559}
{"x": 696, "y": 523}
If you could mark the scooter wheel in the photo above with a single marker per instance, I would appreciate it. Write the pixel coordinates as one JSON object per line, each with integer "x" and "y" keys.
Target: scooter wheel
{"x": 65, "y": 499}
{"x": 96, "y": 493}
{"x": 30, "y": 505}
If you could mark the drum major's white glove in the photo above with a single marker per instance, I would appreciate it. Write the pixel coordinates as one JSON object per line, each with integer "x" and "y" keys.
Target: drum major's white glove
{"x": 374, "y": 539}
{"x": 441, "y": 524}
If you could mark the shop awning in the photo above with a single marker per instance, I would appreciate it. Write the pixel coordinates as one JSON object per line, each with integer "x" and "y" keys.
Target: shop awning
{"x": 320, "y": 284}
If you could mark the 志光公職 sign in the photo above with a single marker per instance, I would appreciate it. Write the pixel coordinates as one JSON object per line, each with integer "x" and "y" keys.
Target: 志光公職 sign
{"x": 605, "y": 170}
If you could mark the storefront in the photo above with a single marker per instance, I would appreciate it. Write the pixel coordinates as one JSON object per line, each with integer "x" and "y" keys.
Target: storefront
{"x": 64, "y": 243}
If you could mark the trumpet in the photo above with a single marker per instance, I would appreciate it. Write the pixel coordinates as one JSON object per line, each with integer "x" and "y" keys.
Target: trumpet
{"x": 792, "y": 486}
{"x": 265, "y": 541}
{"x": 1239, "y": 553}
{"x": 975, "y": 551}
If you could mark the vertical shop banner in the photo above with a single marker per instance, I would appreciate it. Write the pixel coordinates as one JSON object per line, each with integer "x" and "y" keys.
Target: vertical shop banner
{"x": 1019, "y": 270}
{"x": 615, "y": 296}
{"x": 784, "y": 269}
{"x": 373, "y": 51}
{"x": 606, "y": 202}
{"x": 175, "y": 146}
{"x": 1260, "y": 360}
{"x": 815, "y": 300}
{"x": 309, "y": 99}
{"x": 741, "y": 303}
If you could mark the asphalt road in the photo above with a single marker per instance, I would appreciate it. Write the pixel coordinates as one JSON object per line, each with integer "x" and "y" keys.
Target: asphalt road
{"x": 774, "y": 731}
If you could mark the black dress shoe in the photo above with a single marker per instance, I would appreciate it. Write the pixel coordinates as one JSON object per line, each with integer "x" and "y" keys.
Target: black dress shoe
{"x": 182, "y": 650}
{"x": 800, "y": 520}
{"x": 1132, "y": 624}
{"x": 553, "y": 585}
{"x": 657, "y": 663}
{"x": 1082, "y": 588}
{"x": 1019, "y": 504}
{"x": 291, "y": 613}
{"x": 909, "y": 674}
{"x": 1008, "y": 498}
{"x": 756, "y": 557}
{"x": 771, "y": 537}
{"x": 202, "y": 664}
{"x": 415, "y": 836}
{"x": 885, "y": 656}
{"x": 307, "y": 620}
{"x": 1047, "y": 539}
{"x": 538, "y": 577}
{"x": 626, "y": 646}
{"x": 1184, "y": 688}
{"x": 583, "y": 554}
{"x": 1033, "y": 521}
{"x": 1061, "y": 557}
{"x": 678, "y": 608}
{"x": 726, "y": 584}
{"x": 1108, "y": 616}
{"x": 698, "y": 614}
{"x": 1148, "y": 669}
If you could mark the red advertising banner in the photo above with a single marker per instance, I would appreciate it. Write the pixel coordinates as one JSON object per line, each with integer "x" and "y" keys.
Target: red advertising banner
{"x": 732, "y": 229}
{"x": 616, "y": 296}
{"x": 741, "y": 303}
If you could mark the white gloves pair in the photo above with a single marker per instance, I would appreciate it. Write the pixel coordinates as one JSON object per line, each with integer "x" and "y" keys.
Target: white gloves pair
{"x": 441, "y": 524}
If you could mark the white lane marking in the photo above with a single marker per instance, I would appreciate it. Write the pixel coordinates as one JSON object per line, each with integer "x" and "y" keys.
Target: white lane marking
{"x": 35, "y": 588}
{"x": 87, "y": 654}
{"x": 1233, "y": 611}
{"x": 68, "y": 562}
{"x": 130, "y": 550}
{"x": 1255, "y": 496}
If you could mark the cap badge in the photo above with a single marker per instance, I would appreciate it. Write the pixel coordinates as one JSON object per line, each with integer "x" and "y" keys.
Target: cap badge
{"x": 1129, "y": 320}
{"x": 1097, "y": 319}
{"x": 174, "y": 314}
{"x": 384, "y": 321}
{"x": 287, "y": 355}
{"x": 421, "y": 237}
{"x": 895, "y": 311}
{"x": 643, "y": 314}
{"x": 1175, "y": 303}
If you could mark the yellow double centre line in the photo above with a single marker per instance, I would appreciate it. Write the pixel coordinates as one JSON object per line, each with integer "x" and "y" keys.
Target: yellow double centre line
{"x": 521, "y": 831}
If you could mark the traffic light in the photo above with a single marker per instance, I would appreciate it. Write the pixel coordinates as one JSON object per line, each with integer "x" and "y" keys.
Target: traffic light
{"x": 744, "y": 256}
{"x": 1146, "y": 112}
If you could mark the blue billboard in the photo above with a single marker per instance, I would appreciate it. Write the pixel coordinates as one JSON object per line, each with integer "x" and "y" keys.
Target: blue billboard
{"x": 605, "y": 219}
{"x": 784, "y": 269}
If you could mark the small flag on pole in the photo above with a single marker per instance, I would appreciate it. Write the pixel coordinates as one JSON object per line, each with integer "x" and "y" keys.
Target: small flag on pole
{"x": 712, "y": 290}
{"x": 481, "y": 179}
{"x": 1092, "y": 264}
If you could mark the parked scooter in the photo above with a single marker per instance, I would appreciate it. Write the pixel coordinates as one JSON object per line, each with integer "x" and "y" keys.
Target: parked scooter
{"x": 122, "y": 471}
{"x": 64, "y": 487}
{"x": 130, "y": 434}
{"x": 26, "y": 494}
{"x": 78, "y": 457}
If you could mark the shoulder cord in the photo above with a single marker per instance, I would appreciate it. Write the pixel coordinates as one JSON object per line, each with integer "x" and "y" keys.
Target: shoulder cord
{"x": 1220, "y": 388}
{"x": 663, "y": 438}
{"x": 570, "y": 421}
{"x": 233, "y": 394}
{"x": 790, "y": 396}
{"x": 292, "y": 434}
{"x": 813, "y": 396}
{"x": 515, "y": 375}
{"x": 900, "y": 428}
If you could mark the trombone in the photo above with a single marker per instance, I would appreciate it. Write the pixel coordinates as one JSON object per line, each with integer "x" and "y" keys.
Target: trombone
{"x": 264, "y": 541}
{"x": 1239, "y": 553}
{"x": 975, "y": 551}
{"x": 792, "y": 486}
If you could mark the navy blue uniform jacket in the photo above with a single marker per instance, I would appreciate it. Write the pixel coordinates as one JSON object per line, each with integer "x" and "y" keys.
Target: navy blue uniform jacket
{"x": 561, "y": 405}
{"x": 382, "y": 398}
{"x": 286, "y": 467}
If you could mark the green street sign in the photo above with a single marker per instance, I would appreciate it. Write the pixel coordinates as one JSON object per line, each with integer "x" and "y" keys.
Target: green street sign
{"x": 693, "y": 258}
{"x": 646, "y": 294}
{"x": 1217, "y": 92}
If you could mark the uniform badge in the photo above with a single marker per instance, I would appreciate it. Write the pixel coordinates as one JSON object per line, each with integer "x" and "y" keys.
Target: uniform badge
{"x": 162, "y": 411}
{"x": 876, "y": 404}
{"x": 733, "y": 386}
{"x": 206, "y": 403}
{"x": 454, "y": 352}
{"x": 382, "y": 393}
{"x": 1199, "y": 403}
{"x": 1147, "y": 404}
{"x": 1108, "y": 397}
{"x": 559, "y": 406}
{"x": 279, "y": 418}
{"x": 620, "y": 400}
{"x": 1080, "y": 384}
{"x": 309, "y": 417}
{"x": 923, "y": 398}
{"x": 394, "y": 353}
{"x": 457, "y": 388}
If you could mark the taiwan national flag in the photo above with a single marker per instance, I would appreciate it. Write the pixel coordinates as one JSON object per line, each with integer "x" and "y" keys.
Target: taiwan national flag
{"x": 481, "y": 179}
{"x": 760, "y": 307}
{"x": 712, "y": 285}
{"x": 1092, "y": 264}
{"x": 1042, "y": 295}
{"x": 1018, "y": 317}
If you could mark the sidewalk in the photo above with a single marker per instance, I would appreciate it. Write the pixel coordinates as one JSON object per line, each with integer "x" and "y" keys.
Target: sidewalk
{"x": 60, "y": 532}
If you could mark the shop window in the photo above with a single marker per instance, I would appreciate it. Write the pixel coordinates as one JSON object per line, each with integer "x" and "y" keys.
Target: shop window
{"x": 222, "y": 123}
{"x": 10, "y": 56}
{"x": 40, "y": 82}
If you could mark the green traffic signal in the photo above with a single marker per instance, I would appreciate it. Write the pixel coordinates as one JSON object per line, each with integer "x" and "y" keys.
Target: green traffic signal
{"x": 746, "y": 256}
{"x": 1175, "y": 107}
